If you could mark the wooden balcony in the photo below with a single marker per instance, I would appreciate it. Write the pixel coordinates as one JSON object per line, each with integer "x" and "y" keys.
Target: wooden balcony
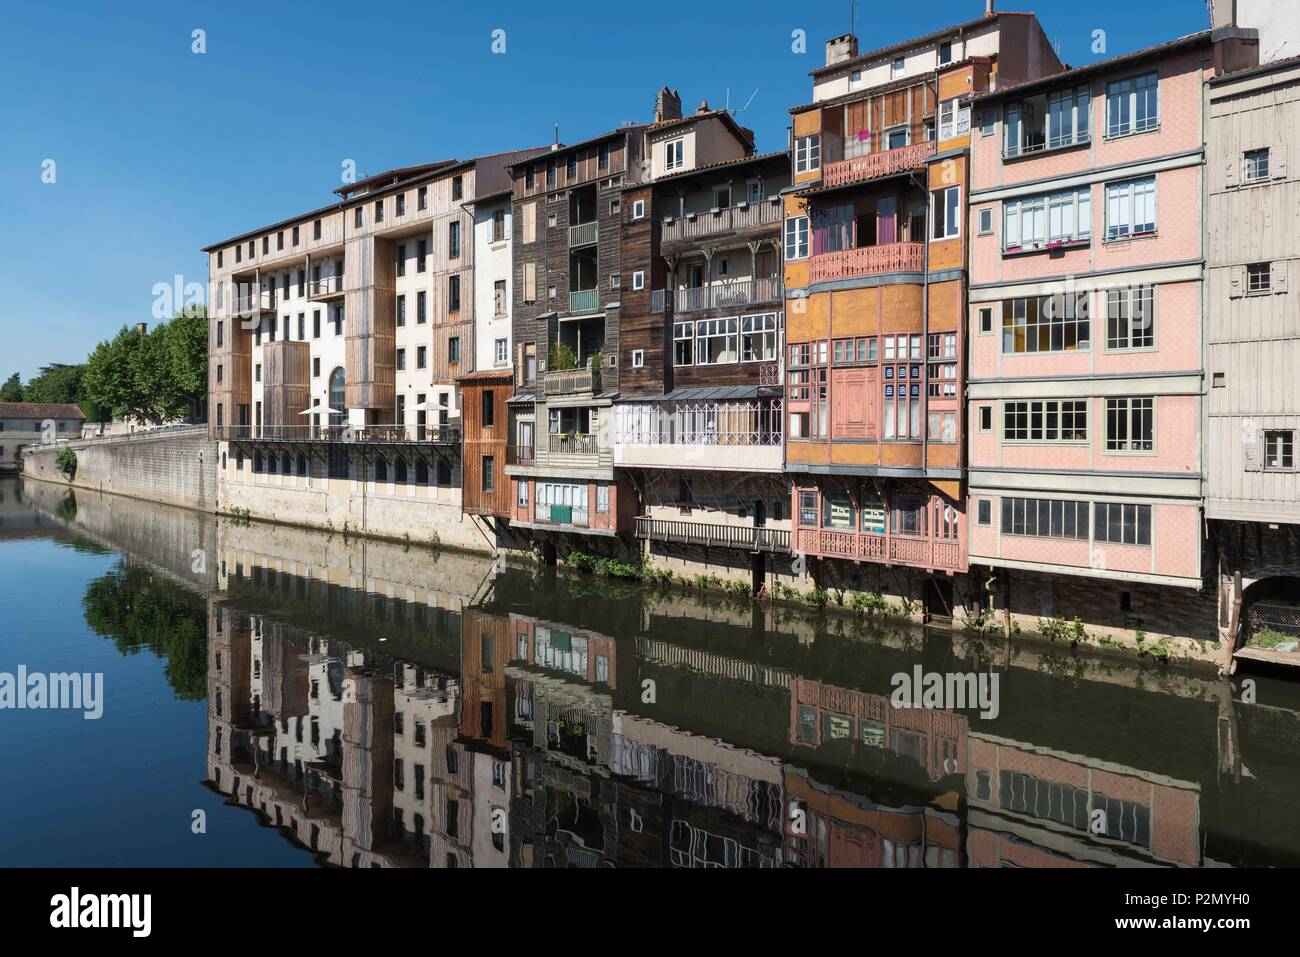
{"x": 721, "y": 295}
{"x": 860, "y": 169}
{"x": 571, "y": 382}
{"x": 708, "y": 535}
{"x": 916, "y": 551}
{"x": 867, "y": 261}
{"x": 731, "y": 219}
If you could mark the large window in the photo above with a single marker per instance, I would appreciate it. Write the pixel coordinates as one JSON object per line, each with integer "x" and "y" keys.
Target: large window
{"x": 1067, "y": 117}
{"x": 796, "y": 237}
{"x": 683, "y": 343}
{"x": 901, "y": 372}
{"x": 674, "y": 154}
{"x": 946, "y": 213}
{"x": 1132, "y": 105}
{"x": 1130, "y": 208}
{"x": 1047, "y": 420}
{"x": 1130, "y": 318}
{"x": 758, "y": 337}
{"x": 1056, "y": 323}
{"x": 954, "y": 120}
{"x": 1130, "y": 425}
{"x": 1116, "y": 523}
{"x": 1045, "y": 518}
{"x": 1037, "y": 222}
{"x": 808, "y": 153}
{"x": 715, "y": 341}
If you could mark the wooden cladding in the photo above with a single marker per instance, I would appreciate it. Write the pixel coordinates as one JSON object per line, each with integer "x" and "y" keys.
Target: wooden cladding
{"x": 484, "y": 418}
{"x": 286, "y": 382}
{"x": 563, "y": 169}
{"x": 369, "y": 324}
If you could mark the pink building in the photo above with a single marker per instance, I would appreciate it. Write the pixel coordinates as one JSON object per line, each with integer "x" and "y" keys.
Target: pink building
{"x": 1085, "y": 315}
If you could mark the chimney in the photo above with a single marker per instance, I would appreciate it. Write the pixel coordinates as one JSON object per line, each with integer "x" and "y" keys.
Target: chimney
{"x": 1223, "y": 13}
{"x": 702, "y": 108}
{"x": 841, "y": 48}
{"x": 142, "y": 328}
{"x": 668, "y": 105}
{"x": 988, "y": 8}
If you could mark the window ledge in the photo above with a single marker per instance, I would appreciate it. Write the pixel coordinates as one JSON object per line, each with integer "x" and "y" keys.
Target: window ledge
{"x": 1108, "y": 137}
{"x": 1132, "y": 237}
{"x": 1046, "y": 248}
{"x": 1014, "y": 157}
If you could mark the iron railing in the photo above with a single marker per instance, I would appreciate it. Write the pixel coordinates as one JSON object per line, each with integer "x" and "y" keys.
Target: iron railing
{"x": 710, "y": 535}
{"x": 429, "y": 434}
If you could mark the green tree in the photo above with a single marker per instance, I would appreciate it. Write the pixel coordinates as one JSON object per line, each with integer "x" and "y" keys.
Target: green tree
{"x": 12, "y": 390}
{"x": 57, "y": 382}
{"x": 187, "y": 346}
{"x": 111, "y": 378}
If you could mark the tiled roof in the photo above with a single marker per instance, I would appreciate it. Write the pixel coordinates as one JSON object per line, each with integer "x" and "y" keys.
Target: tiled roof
{"x": 40, "y": 410}
{"x": 905, "y": 44}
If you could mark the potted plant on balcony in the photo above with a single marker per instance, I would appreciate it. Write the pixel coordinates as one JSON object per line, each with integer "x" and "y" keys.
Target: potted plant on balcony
{"x": 561, "y": 358}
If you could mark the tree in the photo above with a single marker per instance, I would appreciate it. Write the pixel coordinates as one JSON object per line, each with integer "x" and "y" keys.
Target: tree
{"x": 187, "y": 346}
{"x": 110, "y": 378}
{"x": 12, "y": 390}
{"x": 57, "y": 382}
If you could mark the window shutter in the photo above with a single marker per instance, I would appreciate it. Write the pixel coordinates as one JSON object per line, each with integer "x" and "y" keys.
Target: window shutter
{"x": 1236, "y": 281}
{"x": 530, "y": 223}
{"x": 1250, "y": 443}
{"x": 1277, "y": 278}
{"x": 530, "y": 282}
{"x": 1230, "y": 173}
{"x": 1277, "y": 160}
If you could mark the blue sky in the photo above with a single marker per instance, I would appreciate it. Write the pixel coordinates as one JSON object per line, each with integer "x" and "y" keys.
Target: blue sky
{"x": 159, "y": 151}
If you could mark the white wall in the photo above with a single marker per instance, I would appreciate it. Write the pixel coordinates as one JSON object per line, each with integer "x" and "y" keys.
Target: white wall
{"x": 491, "y": 264}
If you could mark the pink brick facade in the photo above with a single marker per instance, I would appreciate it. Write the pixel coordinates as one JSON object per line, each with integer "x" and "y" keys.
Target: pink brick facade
{"x": 1084, "y": 344}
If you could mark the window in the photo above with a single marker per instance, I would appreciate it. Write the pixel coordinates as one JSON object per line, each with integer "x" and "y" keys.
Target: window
{"x": 986, "y": 221}
{"x": 602, "y": 499}
{"x": 985, "y": 320}
{"x": 1117, "y": 523}
{"x": 638, "y": 280}
{"x": 901, "y": 373}
{"x": 358, "y": 217}
{"x": 638, "y": 209}
{"x": 521, "y": 492}
{"x": 1130, "y": 208}
{"x": 1045, "y": 518}
{"x": 257, "y": 377}
{"x": 453, "y": 349}
{"x": 1259, "y": 278}
{"x": 638, "y": 358}
{"x": 498, "y": 225}
{"x": 453, "y": 294}
{"x": 502, "y": 352}
{"x": 897, "y": 67}
{"x": 986, "y": 418}
{"x": 1130, "y": 318}
{"x": 379, "y": 210}
{"x": 954, "y": 119}
{"x": 808, "y": 153}
{"x": 400, "y": 204}
{"x": 488, "y": 409}
{"x": 615, "y": 281}
{"x": 946, "y": 213}
{"x": 401, "y": 359}
{"x": 421, "y": 307}
{"x": 683, "y": 343}
{"x": 453, "y": 240}
{"x": 945, "y": 52}
{"x": 942, "y": 371}
{"x": 1279, "y": 449}
{"x": 315, "y": 229}
{"x": 499, "y": 297}
{"x": 796, "y": 237}
{"x": 421, "y": 255}
{"x": 674, "y": 154}
{"x": 984, "y": 511}
{"x": 758, "y": 336}
{"x": 716, "y": 341}
{"x": 1045, "y": 421}
{"x": 1130, "y": 425}
{"x": 1056, "y": 323}
{"x": 1041, "y": 221}
{"x": 489, "y": 474}
{"x": 422, "y": 198}
{"x": 1256, "y": 165}
{"x": 1132, "y": 105}
{"x": 315, "y": 367}
{"x": 401, "y": 310}
{"x": 401, "y": 259}
{"x": 896, "y": 138}
{"x": 457, "y": 187}
{"x": 421, "y": 357}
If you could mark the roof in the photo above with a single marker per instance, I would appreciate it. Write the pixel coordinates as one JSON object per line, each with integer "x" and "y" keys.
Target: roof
{"x": 399, "y": 173}
{"x": 742, "y": 133}
{"x": 722, "y": 164}
{"x": 560, "y": 148}
{"x": 1070, "y": 73}
{"x": 487, "y": 375}
{"x": 906, "y": 44}
{"x": 1249, "y": 71}
{"x": 882, "y": 89}
{"x": 40, "y": 410}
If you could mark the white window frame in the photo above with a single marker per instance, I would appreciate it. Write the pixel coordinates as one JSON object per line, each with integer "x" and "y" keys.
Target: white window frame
{"x": 808, "y": 153}
{"x": 1122, "y": 96}
{"x": 1128, "y": 201}
{"x": 684, "y": 332}
{"x": 1255, "y": 165}
{"x": 638, "y": 209}
{"x": 952, "y": 225}
{"x": 1130, "y": 407}
{"x": 638, "y": 358}
{"x": 638, "y": 280}
{"x": 675, "y": 154}
{"x": 710, "y": 331}
{"x": 1073, "y": 206}
{"x": 954, "y": 120}
{"x": 985, "y": 221}
{"x": 796, "y": 238}
{"x": 762, "y": 329}
{"x": 502, "y": 354}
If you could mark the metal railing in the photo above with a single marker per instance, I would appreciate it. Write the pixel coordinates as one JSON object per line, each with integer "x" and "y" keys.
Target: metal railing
{"x": 729, "y": 292}
{"x": 577, "y": 443}
{"x": 430, "y": 434}
{"x": 561, "y": 515}
{"x": 867, "y": 260}
{"x": 861, "y": 168}
{"x": 700, "y": 423}
{"x": 763, "y": 213}
{"x": 1039, "y": 144}
{"x": 584, "y": 300}
{"x": 520, "y": 455}
{"x": 325, "y": 286}
{"x": 584, "y": 234}
{"x": 712, "y": 535}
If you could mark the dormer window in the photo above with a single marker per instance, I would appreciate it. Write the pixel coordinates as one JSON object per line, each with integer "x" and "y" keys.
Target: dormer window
{"x": 674, "y": 154}
{"x": 899, "y": 64}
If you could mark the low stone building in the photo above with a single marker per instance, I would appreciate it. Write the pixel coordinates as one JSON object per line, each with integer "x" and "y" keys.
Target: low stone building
{"x": 32, "y": 423}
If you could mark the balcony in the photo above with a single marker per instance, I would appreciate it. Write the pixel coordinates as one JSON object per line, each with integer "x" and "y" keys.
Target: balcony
{"x": 325, "y": 289}
{"x": 583, "y": 234}
{"x": 894, "y": 550}
{"x": 862, "y": 168}
{"x": 867, "y": 261}
{"x": 745, "y": 537}
{"x": 520, "y": 455}
{"x": 726, "y": 294}
{"x": 561, "y": 515}
{"x": 571, "y": 382}
{"x": 584, "y": 300}
{"x": 731, "y": 219}
{"x": 737, "y": 436}
{"x": 355, "y": 434}
{"x": 576, "y": 443}
{"x": 254, "y": 303}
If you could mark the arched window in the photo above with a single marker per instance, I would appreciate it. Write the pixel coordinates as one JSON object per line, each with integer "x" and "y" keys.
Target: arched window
{"x": 401, "y": 470}
{"x": 381, "y": 469}
{"x": 421, "y": 472}
{"x": 337, "y": 396}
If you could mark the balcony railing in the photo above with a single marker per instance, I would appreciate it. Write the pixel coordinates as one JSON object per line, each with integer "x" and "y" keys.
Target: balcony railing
{"x": 916, "y": 551}
{"x": 867, "y": 261}
{"x": 699, "y": 423}
{"x": 745, "y": 537}
{"x": 734, "y": 292}
{"x": 572, "y": 444}
{"x": 250, "y": 302}
{"x": 561, "y": 515}
{"x": 374, "y": 434}
{"x": 584, "y": 300}
{"x": 656, "y": 302}
{"x": 763, "y": 213}
{"x": 1038, "y": 142}
{"x": 571, "y": 381}
{"x": 520, "y": 455}
{"x": 325, "y": 286}
{"x": 861, "y": 168}
{"x": 583, "y": 234}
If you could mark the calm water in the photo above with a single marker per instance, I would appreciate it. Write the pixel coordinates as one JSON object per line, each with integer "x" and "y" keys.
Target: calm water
{"x": 321, "y": 700}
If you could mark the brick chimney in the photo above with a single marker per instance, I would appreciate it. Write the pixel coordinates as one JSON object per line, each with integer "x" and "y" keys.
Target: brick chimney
{"x": 841, "y": 48}
{"x": 668, "y": 105}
